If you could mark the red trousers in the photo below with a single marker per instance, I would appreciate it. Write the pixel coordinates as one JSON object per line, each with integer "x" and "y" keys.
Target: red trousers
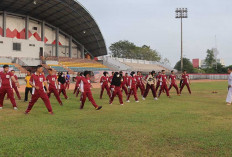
{"x": 63, "y": 91}
{"x": 39, "y": 94}
{"x": 56, "y": 93}
{"x": 67, "y": 84}
{"x": 162, "y": 88}
{"x": 175, "y": 86}
{"x": 157, "y": 86}
{"x": 182, "y": 86}
{"x": 124, "y": 89}
{"x": 134, "y": 90}
{"x": 117, "y": 91}
{"x": 16, "y": 91}
{"x": 10, "y": 93}
{"x": 141, "y": 87}
{"x": 148, "y": 87}
{"x": 76, "y": 87}
{"x": 104, "y": 86}
{"x": 90, "y": 97}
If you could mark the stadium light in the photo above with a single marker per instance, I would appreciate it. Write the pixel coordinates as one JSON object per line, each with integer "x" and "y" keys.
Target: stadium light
{"x": 180, "y": 14}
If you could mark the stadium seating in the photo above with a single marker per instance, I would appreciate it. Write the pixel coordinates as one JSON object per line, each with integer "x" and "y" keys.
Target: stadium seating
{"x": 82, "y": 65}
{"x": 58, "y": 68}
{"x": 12, "y": 67}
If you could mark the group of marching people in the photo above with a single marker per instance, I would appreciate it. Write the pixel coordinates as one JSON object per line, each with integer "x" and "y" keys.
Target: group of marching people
{"x": 117, "y": 83}
{"x": 41, "y": 87}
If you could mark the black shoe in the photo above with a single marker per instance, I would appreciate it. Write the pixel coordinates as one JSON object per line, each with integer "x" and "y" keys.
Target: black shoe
{"x": 99, "y": 107}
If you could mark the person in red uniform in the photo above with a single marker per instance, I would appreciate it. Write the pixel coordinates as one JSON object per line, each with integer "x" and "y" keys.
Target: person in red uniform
{"x": 53, "y": 86}
{"x": 85, "y": 86}
{"x": 151, "y": 82}
{"x": 62, "y": 85}
{"x": 6, "y": 79}
{"x": 158, "y": 81}
{"x": 38, "y": 81}
{"x": 110, "y": 80}
{"x": 140, "y": 84}
{"x": 14, "y": 86}
{"x": 124, "y": 82}
{"x": 186, "y": 82}
{"x": 67, "y": 80}
{"x": 132, "y": 87}
{"x": 163, "y": 84}
{"x": 76, "y": 85}
{"x": 172, "y": 78}
{"x": 104, "y": 84}
{"x": 116, "y": 82}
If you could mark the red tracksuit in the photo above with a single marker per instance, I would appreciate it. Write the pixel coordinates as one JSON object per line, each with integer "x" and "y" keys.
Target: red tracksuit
{"x": 38, "y": 80}
{"x": 77, "y": 86}
{"x": 173, "y": 83}
{"x": 140, "y": 84}
{"x": 85, "y": 86}
{"x": 52, "y": 79}
{"x": 6, "y": 88}
{"x": 148, "y": 87}
{"x": 117, "y": 92}
{"x": 15, "y": 88}
{"x": 110, "y": 81}
{"x": 185, "y": 82}
{"x": 163, "y": 84}
{"x": 62, "y": 89}
{"x": 158, "y": 82}
{"x": 124, "y": 84}
{"x": 132, "y": 84}
{"x": 104, "y": 85}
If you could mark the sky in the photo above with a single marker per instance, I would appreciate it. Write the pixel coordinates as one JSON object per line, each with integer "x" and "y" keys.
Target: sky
{"x": 153, "y": 23}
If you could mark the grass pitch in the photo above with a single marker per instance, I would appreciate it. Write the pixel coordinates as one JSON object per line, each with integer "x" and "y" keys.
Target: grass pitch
{"x": 190, "y": 125}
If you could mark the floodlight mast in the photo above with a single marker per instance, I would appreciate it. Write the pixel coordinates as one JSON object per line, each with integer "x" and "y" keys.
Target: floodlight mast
{"x": 180, "y": 14}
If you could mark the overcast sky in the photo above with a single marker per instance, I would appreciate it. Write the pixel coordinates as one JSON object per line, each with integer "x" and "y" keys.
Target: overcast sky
{"x": 152, "y": 22}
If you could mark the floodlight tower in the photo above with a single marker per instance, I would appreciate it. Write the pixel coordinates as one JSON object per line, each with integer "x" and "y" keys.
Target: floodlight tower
{"x": 180, "y": 14}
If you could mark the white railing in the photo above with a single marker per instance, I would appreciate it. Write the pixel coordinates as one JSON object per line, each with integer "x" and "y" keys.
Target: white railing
{"x": 137, "y": 61}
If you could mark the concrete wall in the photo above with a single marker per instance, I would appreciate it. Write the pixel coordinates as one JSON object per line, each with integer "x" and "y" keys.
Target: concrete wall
{"x": 6, "y": 48}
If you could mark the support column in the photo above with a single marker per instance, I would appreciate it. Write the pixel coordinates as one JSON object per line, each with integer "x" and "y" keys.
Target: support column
{"x": 70, "y": 46}
{"x": 42, "y": 30}
{"x": 26, "y": 27}
{"x": 82, "y": 52}
{"x": 4, "y": 24}
{"x": 57, "y": 42}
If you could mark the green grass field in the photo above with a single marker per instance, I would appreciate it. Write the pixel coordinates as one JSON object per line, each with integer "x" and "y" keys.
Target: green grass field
{"x": 190, "y": 125}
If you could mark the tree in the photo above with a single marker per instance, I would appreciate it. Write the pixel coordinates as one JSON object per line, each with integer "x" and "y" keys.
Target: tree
{"x": 210, "y": 59}
{"x": 122, "y": 49}
{"x": 165, "y": 61}
{"x": 126, "y": 49}
{"x": 188, "y": 66}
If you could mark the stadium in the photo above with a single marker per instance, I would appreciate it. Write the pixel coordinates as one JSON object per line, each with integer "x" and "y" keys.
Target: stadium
{"x": 54, "y": 50}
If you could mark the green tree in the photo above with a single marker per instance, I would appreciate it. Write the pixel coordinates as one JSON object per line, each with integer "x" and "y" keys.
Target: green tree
{"x": 210, "y": 59}
{"x": 126, "y": 49}
{"x": 122, "y": 49}
{"x": 187, "y": 65}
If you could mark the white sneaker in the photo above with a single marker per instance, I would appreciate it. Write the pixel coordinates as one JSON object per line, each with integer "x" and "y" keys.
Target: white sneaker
{"x": 15, "y": 108}
{"x": 110, "y": 103}
{"x": 155, "y": 98}
{"x": 144, "y": 98}
{"x": 122, "y": 104}
{"x": 136, "y": 101}
{"x": 0, "y": 108}
{"x": 128, "y": 101}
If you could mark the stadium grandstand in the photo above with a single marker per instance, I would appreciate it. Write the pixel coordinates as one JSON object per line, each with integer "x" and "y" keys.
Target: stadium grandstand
{"x": 60, "y": 34}
{"x": 133, "y": 64}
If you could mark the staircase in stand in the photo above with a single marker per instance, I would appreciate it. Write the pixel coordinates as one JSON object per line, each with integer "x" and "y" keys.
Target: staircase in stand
{"x": 21, "y": 69}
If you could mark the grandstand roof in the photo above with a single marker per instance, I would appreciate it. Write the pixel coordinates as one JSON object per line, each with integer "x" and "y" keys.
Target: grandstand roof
{"x": 68, "y": 15}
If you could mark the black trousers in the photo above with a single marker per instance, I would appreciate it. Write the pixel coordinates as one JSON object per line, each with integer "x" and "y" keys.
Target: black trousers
{"x": 27, "y": 90}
